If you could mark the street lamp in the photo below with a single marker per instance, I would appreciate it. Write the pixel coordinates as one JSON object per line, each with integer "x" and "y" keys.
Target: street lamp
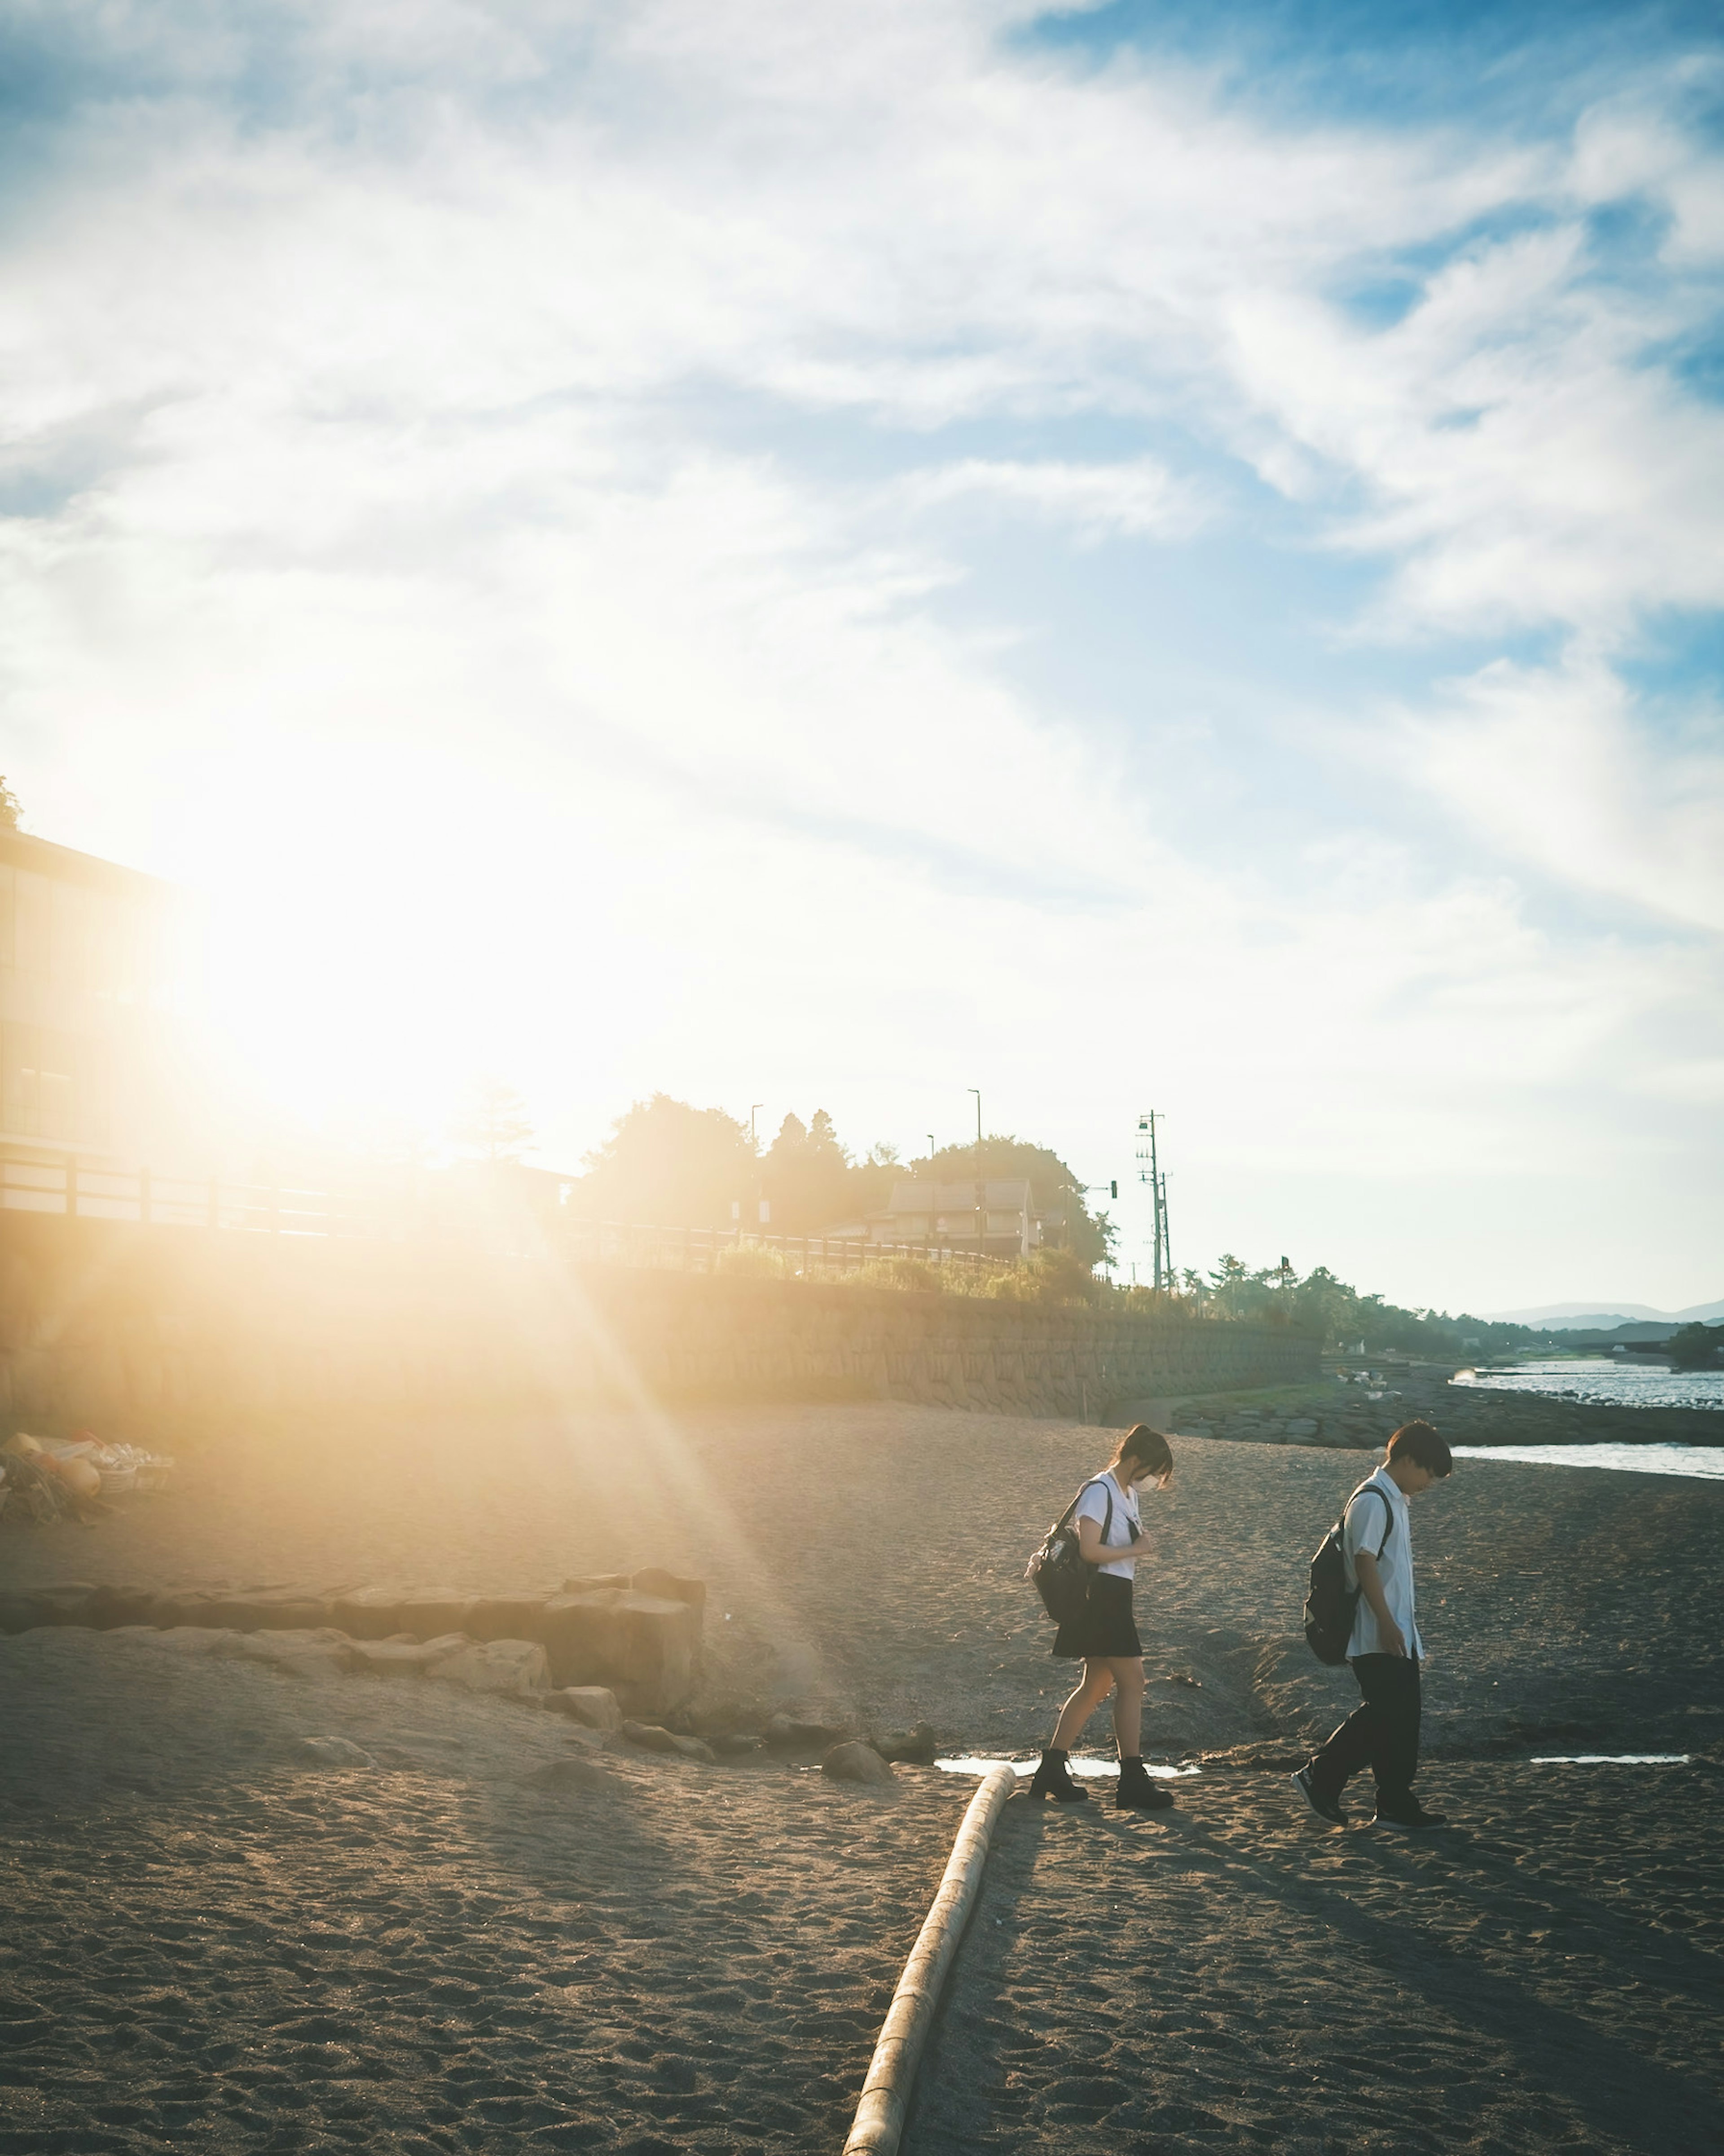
{"x": 980, "y": 1186}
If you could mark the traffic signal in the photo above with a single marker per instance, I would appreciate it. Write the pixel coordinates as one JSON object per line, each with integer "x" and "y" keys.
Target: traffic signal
{"x": 1113, "y": 1188}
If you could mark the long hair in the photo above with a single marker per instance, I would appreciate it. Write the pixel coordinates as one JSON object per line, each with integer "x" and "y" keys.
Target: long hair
{"x": 1146, "y": 1446}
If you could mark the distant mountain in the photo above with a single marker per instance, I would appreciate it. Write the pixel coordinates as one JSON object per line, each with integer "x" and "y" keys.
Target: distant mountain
{"x": 1605, "y": 1316}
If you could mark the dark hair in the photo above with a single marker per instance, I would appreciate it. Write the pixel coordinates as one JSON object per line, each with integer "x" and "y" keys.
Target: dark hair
{"x": 1146, "y": 1445}
{"x": 1419, "y": 1442}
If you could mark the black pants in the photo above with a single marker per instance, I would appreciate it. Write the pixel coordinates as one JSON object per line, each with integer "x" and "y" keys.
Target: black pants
{"x": 1381, "y": 1733}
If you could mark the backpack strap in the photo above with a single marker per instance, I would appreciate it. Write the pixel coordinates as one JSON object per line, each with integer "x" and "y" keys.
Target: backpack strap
{"x": 1367, "y": 1488}
{"x": 1107, "y": 1524}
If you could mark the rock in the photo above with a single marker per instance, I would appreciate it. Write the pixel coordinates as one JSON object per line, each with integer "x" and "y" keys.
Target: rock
{"x": 514, "y": 1669}
{"x": 320, "y": 1654}
{"x": 644, "y": 1647}
{"x": 915, "y": 1746}
{"x": 583, "y": 1739}
{"x": 267, "y": 1610}
{"x": 505, "y": 1617}
{"x": 595, "y": 1705}
{"x": 74, "y": 1604}
{"x": 783, "y": 1734}
{"x": 401, "y": 1657}
{"x": 191, "y": 1639}
{"x": 367, "y": 1613}
{"x": 335, "y": 1751}
{"x": 115, "y": 1606}
{"x": 650, "y": 1737}
{"x": 572, "y": 1774}
{"x": 428, "y": 1616}
{"x": 856, "y": 1763}
{"x": 653, "y": 1579}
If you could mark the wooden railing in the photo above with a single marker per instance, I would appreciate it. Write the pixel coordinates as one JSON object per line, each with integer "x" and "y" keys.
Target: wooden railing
{"x": 35, "y": 1181}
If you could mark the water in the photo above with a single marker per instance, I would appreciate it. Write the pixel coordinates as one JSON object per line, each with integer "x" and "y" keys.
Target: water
{"x": 1608, "y": 1381}
{"x": 1081, "y": 1768}
{"x": 1613, "y": 1759}
{"x": 1704, "y": 1461}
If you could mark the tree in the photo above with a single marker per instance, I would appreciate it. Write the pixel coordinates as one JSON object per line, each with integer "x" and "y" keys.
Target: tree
{"x": 494, "y": 1122}
{"x": 10, "y": 807}
{"x": 1695, "y": 1347}
{"x": 806, "y": 1176}
{"x": 670, "y": 1165}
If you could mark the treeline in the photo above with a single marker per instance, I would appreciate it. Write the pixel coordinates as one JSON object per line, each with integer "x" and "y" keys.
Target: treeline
{"x": 674, "y": 1166}
{"x": 1338, "y": 1316}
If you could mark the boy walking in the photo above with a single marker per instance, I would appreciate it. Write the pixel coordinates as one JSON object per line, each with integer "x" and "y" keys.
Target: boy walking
{"x": 1385, "y": 1649}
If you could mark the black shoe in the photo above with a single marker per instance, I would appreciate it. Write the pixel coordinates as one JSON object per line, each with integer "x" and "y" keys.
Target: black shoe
{"x": 1051, "y": 1779}
{"x": 1138, "y": 1793}
{"x": 1411, "y": 1816}
{"x": 1325, "y": 1806}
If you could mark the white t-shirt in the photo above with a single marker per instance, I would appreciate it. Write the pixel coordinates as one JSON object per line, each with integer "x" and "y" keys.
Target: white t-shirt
{"x": 1126, "y": 1520}
{"x": 1364, "y": 1531}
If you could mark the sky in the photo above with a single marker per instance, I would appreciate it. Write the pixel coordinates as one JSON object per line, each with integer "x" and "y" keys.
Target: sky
{"x": 1123, "y": 557}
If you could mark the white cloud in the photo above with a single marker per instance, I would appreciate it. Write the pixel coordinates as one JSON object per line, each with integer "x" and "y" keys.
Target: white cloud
{"x": 397, "y": 498}
{"x": 1132, "y": 500}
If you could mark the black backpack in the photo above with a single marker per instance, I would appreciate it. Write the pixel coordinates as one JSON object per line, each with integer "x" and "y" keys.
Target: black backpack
{"x": 1062, "y": 1578}
{"x": 1330, "y": 1603}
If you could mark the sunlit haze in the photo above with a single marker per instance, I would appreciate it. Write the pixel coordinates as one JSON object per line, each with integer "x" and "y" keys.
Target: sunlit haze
{"x": 827, "y": 557}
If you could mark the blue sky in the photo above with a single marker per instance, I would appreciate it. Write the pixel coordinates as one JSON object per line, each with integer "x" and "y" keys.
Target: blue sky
{"x": 1129, "y": 556}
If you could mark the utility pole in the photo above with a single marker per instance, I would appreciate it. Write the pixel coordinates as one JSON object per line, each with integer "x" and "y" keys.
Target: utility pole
{"x": 980, "y": 1186}
{"x": 1152, "y": 1174}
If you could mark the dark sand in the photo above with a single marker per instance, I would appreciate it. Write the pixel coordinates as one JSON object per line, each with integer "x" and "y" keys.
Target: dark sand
{"x": 214, "y": 1940}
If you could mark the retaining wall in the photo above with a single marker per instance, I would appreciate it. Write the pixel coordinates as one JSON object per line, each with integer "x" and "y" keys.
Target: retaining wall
{"x": 142, "y": 1331}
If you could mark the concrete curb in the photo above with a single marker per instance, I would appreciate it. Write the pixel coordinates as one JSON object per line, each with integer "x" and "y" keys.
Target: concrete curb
{"x": 891, "y": 2073}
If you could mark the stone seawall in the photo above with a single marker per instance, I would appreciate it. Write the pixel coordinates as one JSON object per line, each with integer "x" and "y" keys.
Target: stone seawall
{"x": 145, "y": 1332}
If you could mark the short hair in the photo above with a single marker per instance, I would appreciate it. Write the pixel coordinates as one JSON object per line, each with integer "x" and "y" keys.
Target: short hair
{"x": 1146, "y": 1445}
{"x": 1424, "y": 1446}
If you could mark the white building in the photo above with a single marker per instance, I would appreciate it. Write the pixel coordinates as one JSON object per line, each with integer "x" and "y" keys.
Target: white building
{"x": 999, "y": 1217}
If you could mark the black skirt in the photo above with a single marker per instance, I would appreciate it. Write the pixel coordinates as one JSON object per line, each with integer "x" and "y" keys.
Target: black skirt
{"x": 1103, "y": 1629}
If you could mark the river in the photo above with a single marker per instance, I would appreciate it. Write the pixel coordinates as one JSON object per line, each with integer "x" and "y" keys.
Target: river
{"x": 1608, "y": 1381}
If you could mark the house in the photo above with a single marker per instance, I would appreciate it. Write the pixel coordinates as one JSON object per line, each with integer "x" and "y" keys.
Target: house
{"x": 84, "y": 998}
{"x": 998, "y": 1217}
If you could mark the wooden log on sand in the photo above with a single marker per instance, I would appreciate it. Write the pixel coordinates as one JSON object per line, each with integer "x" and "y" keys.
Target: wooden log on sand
{"x": 880, "y": 2117}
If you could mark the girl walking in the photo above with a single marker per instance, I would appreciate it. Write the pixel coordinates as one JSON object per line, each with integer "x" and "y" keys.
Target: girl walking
{"x": 1103, "y": 1635}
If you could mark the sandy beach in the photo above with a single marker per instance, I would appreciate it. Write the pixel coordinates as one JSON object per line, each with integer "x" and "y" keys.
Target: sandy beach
{"x": 484, "y": 1935}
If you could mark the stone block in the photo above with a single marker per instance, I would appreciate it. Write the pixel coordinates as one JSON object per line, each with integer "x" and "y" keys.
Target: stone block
{"x": 429, "y": 1616}
{"x": 640, "y": 1643}
{"x": 856, "y": 1763}
{"x": 913, "y": 1746}
{"x": 514, "y": 1669}
{"x": 653, "y": 1579}
{"x": 369, "y": 1613}
{"x": 266, "y": 1610}
{"x": 394, "y": 1657}
{"x": 651, "y": 1739}
{"x": 505, "y": 1617}
{"x": 311, "y": 1654}
{"x": 784, "y": 1734}
{"x": 75, "y": 1603}
{"x": 593, "y": 1704}
{"x": 115, "y": 1606}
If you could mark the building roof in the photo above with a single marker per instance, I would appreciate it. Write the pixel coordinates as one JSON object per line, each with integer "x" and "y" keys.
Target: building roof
{"x": 1007, "y": 1195}
{"x": 21, "y": 849}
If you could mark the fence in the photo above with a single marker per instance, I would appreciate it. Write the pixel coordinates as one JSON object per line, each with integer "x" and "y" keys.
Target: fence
{"x": 713, "y": 1249}
{"x": 34, "y": 1182}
